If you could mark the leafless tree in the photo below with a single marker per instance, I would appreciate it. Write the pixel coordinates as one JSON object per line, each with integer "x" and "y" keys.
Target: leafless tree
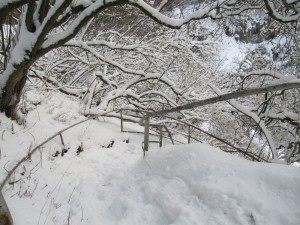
{"x": 37, "y": 27}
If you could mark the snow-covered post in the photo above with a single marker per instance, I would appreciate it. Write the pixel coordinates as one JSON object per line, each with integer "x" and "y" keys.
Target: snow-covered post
{"x": 189, "y": 134}
{"x": 146, "y": 133}
{"x": 121, "y": 117}
{"x": 160, "y": 136}
{"x": 62, "y": 140}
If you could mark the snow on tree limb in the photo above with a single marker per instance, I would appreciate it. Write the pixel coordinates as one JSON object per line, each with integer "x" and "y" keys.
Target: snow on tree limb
{"x": 85, "y": 46}
{"x": 255, "y": 117}
{"x": 237, "y": 94}
{"x": 175, "y": 23}
{"x": 292, "y": 15}
{"x": 9, "y": 5}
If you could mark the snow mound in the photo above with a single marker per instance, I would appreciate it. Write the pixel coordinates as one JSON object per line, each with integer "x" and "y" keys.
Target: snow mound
{"x": 183, "y": 185}
{"x": 197, "y": 184}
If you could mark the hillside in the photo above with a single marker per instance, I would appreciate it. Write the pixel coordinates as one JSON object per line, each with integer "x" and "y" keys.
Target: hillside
{"x": 184, "y": 184}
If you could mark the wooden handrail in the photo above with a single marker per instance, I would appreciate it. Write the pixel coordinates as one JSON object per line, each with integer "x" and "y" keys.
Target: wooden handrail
{"x": 228, "y": 96}
{"x": 220, "y": 98}
{"x": 147, "y": 127}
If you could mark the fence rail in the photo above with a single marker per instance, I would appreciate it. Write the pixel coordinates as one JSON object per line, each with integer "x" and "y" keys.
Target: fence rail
{"x": 162, "y": 127}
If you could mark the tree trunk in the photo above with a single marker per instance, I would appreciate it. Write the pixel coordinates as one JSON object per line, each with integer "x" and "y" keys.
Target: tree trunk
{"x": 13, "y": 90}
{"x": 5, "y": 216}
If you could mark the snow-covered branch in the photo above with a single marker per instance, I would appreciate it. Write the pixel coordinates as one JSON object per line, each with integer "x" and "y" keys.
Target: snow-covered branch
{"x": 284, "y": 12}
{"x": 255, "y": 117}
{"x": 237, "y": 94}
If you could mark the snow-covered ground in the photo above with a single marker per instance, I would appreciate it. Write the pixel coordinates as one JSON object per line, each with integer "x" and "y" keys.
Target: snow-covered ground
{"x": 232, "y": 52}
{"x": 184, "y": 184}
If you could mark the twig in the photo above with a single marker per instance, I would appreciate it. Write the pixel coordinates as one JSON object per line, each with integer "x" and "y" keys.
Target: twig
{"x": 71, "y": 194}
{"x": 3, "y": 135}
{"x": 69, "y": 217}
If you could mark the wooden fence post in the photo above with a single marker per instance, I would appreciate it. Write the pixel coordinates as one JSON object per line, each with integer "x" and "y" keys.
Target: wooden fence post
{"x": 121, "y": 116}
{"x": 160, "y": 136}
{"x": 189, "y": 134}
{"x": 146, "y": 133}
{"x": 62, "y": 140}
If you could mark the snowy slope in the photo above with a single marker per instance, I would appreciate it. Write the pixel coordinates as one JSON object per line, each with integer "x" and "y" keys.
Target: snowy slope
{"x": 187, "y": 184}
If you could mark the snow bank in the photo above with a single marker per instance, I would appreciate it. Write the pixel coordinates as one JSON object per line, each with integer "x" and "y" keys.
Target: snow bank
{"x": 197, "y": 184}
{"x": 184, "y": 185}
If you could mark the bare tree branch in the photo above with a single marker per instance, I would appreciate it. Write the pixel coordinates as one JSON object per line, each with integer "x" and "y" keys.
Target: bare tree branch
{"x": 225, "y": 97}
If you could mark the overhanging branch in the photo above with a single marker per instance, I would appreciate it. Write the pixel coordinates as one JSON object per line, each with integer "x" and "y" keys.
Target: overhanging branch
{"x": 225, "y": 97}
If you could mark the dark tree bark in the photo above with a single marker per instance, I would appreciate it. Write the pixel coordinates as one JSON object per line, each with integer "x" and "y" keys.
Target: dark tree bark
{"x": 13, "y": 90}
{"x": 11, "y": 94}
{"x": 5, "y": 216}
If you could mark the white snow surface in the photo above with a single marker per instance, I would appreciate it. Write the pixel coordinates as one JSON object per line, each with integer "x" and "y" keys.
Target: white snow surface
{"x": 183, "y": 184}
{"x": 232, "y": 52}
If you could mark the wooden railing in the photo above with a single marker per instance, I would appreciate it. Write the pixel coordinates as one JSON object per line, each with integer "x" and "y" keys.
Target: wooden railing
{"x": 163, "y": 127}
